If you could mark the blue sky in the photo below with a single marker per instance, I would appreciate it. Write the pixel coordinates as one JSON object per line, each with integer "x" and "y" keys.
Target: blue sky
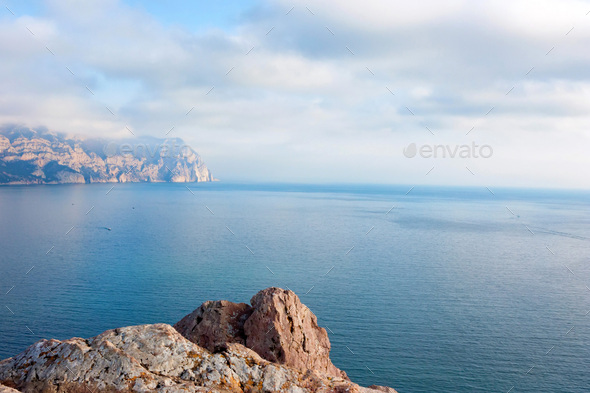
{"x": 329, "y": 91}
{"x": 197, "y": 15}
{"x": 193, "y": 15}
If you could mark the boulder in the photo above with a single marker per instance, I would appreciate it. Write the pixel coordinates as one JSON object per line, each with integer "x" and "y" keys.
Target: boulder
{"x": 215, "y": 323}
{"x": 277, "y": 326}
{"x": 283, "y": 330}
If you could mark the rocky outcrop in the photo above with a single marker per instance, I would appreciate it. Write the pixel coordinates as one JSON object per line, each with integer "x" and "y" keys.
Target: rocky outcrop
{"x": 40, "y": 157}
{"x": 277, "y": 326}
{"x": 157, "y": 358}
{"x": 283, "y": 330}
{"x": 215, "y": 323}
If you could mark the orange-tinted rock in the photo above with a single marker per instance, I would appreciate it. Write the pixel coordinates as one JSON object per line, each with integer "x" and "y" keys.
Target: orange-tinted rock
{"x": 283, "y": 330}
{"x": 215, "y": 323}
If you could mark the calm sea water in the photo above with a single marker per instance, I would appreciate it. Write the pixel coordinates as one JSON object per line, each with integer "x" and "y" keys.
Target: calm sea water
{"x": 448, "y": 292}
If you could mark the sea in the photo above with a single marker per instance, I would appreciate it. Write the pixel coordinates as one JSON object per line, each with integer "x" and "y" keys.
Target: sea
{"x": 424, "y": 289}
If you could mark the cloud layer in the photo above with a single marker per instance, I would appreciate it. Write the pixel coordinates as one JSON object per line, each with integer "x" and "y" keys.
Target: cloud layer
{"x": 321, "y": 91}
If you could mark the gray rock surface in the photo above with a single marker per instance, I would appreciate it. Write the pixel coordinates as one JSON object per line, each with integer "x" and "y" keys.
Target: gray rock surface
{"x": 157, "y": 358}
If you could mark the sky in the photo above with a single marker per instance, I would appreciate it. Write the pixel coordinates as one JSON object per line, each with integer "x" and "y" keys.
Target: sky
{"x": 475, "y": 93}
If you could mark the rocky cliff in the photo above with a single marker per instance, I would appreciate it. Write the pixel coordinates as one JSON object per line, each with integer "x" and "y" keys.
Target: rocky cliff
{"x": 41, "y": 157}
{"x": 272, "y": 345}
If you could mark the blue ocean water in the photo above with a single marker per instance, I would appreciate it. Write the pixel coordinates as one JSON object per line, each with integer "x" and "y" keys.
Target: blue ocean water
{"x": 439, "y": 290}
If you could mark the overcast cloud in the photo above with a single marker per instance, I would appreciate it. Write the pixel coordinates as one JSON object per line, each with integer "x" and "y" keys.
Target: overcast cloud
{"x": 327, "y": 91}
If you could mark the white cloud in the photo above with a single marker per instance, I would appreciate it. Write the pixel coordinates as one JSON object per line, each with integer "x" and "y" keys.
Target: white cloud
{"x": 300, "y": 106}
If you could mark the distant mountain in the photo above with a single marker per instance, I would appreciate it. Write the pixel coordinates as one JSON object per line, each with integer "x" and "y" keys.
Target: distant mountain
{"x": 41, "y": 157}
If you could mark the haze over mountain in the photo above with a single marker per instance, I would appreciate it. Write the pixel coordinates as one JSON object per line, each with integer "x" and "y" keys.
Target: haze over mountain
{"x": 30, "y": 156}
